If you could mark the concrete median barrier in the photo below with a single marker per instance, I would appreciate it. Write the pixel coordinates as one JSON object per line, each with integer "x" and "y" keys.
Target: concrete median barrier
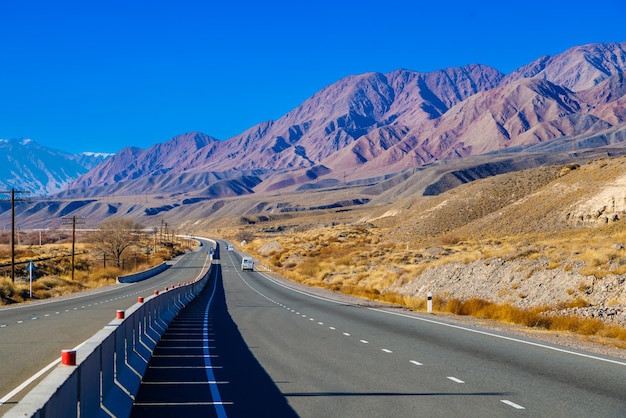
{"x": 110, "y": 365}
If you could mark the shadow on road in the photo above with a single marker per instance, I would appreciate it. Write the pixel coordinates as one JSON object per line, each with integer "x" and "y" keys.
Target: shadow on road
{"x": 252, "y": 389}
{"x": 176, "y": 382}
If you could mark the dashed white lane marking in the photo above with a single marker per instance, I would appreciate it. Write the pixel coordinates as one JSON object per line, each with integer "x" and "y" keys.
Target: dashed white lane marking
{"x": 513, "y": 404}
{"x": 414, "y": 362}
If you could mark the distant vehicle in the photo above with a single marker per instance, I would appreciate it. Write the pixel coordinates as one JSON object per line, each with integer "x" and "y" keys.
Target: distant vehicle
{"x": 230, "y": 247}
{"x": 247, "y": 263}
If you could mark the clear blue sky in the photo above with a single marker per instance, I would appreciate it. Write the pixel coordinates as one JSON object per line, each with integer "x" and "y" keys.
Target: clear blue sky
{"x": 94, "y": 75}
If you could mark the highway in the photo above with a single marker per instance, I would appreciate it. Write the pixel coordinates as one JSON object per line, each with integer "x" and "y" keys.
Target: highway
{"x": 276, "y": 349}
{"x": 33, "y": 334}
{"x": 280, "y": 351}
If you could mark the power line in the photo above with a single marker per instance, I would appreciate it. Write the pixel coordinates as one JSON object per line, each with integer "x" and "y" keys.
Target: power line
{"x": 13, "y": 192}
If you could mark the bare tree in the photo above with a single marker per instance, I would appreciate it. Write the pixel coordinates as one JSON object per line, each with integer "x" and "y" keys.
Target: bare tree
{"x": 115, "y": 235}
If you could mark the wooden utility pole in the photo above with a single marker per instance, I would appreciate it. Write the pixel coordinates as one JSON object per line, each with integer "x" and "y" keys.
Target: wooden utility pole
{"x": 13, "y": 192}
{"x": 73, "y": 221}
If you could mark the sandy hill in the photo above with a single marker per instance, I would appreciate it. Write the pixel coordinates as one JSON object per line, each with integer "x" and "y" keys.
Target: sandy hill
{"x": 552, "y": 235}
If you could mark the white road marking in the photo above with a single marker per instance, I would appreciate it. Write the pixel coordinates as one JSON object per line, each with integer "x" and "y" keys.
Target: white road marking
{"x": 333, "y": 328}
{"x": 320, "y": 323}
{"x": 503, "y": 337}
{"x": 221, "y": 382}
{"x": 513, "y": 404}
{"x": 185, "y": 355}
{"x": 454, "y": 379}
{"x": 517, "y": 340}
{"x": 346, "y": 334}
{"x": 417, "y": 363}
{"x": 185, "y": 367}
{"x": 182, "y": 403}
{"x": 365, "y": 341}
{"x": 34, "y": 377}
{"x": 387, "y": 350}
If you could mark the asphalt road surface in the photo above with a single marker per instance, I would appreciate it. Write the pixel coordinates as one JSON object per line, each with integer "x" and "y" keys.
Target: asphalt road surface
{"x": 32, "y": 335}
{"x": 272, "y": 350}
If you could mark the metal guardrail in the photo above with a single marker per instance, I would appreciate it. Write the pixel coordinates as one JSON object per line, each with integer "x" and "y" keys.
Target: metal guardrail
{"x": 142, "y": 275}
{"x": 110, "y": 365}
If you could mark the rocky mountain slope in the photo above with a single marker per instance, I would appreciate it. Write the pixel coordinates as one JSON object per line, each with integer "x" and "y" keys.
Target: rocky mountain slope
{"x": 374, "y": 124}
{"x": 376, "y": 130}
{"x": 549, "y": 236}
{"x": 26, "y": 165}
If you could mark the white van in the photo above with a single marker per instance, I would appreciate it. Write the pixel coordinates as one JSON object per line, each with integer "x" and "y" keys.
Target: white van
{"x": 247, "y": 263}
{"x": 230, "y": 247}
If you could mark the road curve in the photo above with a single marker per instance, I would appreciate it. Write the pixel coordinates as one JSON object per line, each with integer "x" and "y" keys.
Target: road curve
{"x": 32, "y": 335}
{"x": 330, "y": 358}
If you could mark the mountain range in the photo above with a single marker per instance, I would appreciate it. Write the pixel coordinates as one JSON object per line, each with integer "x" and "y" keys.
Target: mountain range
{"x": 28, "y": 166}
{"x": 366, "y": 128}
{"x": 374, "y": 124}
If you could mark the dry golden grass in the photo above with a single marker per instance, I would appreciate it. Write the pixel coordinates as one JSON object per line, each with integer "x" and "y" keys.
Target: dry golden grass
{"x": 515, "y": 216}
{"x": 54, "y": 275}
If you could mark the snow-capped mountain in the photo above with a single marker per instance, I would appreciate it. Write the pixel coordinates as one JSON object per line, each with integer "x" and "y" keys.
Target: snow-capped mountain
{"x": 26, "y": 165}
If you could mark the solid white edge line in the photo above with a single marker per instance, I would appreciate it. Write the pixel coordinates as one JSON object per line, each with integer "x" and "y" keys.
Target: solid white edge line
{"x": 183, "y": 403}
{"x": 449, "y": 325}
{"x": 41, "y": 372}
{"x": 503, "y": 337}
{"x": 28, "y": 382}
{"x": 34, "y": 377}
